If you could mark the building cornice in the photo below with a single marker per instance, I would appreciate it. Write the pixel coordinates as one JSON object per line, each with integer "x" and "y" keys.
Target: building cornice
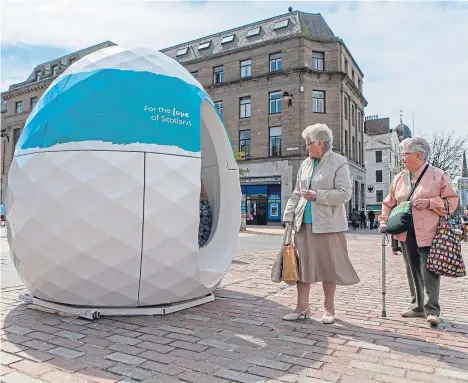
{"x": 350, "y": 55}
{"x": 250, "y": 160}
{"x": 356, "y": 165}
{"x": 28, "y": 88}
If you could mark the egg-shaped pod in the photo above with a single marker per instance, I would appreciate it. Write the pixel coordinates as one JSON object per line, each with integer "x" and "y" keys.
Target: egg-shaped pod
{"x": 103, "y": 201}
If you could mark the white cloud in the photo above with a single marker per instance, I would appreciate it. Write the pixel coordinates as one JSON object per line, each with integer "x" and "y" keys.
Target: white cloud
{"x": 413, "y": 54}
{"x": 15, "y": 76}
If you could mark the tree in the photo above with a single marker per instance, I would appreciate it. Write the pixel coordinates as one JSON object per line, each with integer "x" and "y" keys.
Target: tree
{"x": 447, "y": 152}
{"x": 240, "y": 156}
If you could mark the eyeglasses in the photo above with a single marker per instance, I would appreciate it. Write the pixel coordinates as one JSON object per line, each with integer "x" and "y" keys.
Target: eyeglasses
{"x": 402, "y": 155}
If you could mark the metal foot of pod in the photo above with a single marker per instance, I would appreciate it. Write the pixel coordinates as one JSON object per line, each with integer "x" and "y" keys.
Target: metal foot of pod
{"x": 93, "y": 313}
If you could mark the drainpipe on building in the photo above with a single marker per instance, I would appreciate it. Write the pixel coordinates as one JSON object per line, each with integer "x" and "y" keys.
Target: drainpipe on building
{"x": 301, "y": 112}
{"x": 5, "y": 139}
{"x": 343, "y": 152}
{"x": 341, "y": 99}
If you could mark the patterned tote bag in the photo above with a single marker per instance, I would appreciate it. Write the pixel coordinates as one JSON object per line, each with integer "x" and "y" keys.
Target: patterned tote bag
{"x": 445, "y": 256}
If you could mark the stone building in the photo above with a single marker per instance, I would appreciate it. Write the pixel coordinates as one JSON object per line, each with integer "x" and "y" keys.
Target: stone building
{"x": 269, "y": 80}
{"x": 19, "y": 100}
{"x": 382, "y": 158}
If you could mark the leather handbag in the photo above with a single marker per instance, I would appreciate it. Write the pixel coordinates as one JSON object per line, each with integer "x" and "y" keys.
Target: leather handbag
{"x": 401, "y": 217}
{"x": 290, "y": 271}
{"x": 285, "y": 267}
{"x": 445, "y": 257}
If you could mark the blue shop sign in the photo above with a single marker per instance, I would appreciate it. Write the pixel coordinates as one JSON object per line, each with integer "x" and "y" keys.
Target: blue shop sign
{"x": 257, "y": 190}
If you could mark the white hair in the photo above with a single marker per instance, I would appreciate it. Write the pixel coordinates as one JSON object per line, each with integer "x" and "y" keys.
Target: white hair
{"x": 415, "y": 145}
{"x": 319, "y": 132}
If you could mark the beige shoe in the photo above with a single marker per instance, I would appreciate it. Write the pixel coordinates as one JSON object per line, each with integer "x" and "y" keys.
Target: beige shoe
{"x": 327, "y": 317}
{"x": 434, "y": 320}
{"x": 411, "y": 313}
{"x": 295, "y": 316}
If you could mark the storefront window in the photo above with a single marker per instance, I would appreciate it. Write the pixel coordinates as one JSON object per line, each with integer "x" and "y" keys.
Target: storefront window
{"x": 261, "y": 203}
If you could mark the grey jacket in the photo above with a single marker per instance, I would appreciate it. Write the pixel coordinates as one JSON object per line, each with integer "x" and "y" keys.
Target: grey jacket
{"x": 332, "y": 182}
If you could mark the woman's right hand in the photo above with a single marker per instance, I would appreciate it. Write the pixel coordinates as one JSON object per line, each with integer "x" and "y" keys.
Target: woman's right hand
{"x": 382, "y": 228}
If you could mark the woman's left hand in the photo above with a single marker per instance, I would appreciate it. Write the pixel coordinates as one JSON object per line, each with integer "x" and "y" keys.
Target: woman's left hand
{"x": 309, "y": 195}
{"x": 421, "y": 204}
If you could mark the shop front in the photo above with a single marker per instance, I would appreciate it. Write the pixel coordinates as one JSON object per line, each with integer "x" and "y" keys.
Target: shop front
{"x": 261, "y": 203}
{"x": 375, "y": 207}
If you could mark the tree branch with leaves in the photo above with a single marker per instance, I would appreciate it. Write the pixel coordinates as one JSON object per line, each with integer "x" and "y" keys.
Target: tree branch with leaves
{"x": 239, "y": 156}
{"x": 447, "y": 152}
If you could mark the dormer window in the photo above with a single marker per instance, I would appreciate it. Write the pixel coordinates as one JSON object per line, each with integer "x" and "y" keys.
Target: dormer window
{"x": 281, "y": 24}
{"x": 204, "y": 45}
{"x": 55, "y": 70}
{"x": 38, "y": 75}
{"x": 227, "y": 39}
{"x": 182, "y": 51}
{"x": 254, "y": 32}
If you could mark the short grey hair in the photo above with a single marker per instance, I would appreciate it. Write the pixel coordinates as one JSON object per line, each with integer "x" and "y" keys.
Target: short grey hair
{"x": 415, "y": 145}
{"x": 319, "y": 132}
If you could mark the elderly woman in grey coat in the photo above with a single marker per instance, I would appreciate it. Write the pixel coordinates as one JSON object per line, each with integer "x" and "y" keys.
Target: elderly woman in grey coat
{"x": 317, "y": 212}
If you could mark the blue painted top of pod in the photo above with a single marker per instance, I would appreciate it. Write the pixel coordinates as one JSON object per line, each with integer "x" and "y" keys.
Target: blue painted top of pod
{"x": 118, "y": 106}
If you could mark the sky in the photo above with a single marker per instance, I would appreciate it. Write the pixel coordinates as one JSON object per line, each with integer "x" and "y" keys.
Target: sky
{"x": 414, "y": 54}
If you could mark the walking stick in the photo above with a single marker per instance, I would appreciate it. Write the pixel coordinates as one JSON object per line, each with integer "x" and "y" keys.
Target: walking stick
{"x": 384, "y": 270}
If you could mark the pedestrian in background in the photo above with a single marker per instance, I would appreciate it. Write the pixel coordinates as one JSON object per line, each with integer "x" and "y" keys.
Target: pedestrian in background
{"x": 371, "y": 216}
{"x": 317, "y": 212}
{"x": 354, "y": 219}
{"x": 428, "y": 206}
{"x": 362, "y": 219}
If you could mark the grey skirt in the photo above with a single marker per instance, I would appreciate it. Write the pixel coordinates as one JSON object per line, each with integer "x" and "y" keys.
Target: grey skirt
{"x": 324, "y": 257}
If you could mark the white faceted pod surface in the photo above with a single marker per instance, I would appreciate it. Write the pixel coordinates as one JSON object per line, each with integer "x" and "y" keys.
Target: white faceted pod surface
{"x": 103, "y": 192}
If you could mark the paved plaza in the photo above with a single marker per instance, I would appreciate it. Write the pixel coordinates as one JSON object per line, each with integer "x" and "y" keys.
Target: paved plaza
{"x": 240, "y": 337}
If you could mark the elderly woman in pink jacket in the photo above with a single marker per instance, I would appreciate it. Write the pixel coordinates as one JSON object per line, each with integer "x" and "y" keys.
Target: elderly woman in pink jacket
{"x": 427, "y": 206}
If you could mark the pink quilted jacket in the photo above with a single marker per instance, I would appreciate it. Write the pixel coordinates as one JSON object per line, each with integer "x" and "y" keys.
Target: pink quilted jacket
{"x": 434, "y": 186}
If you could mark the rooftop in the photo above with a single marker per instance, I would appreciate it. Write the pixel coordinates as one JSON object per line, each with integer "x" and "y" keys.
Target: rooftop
{"x": 295, "y": 23}
{"x": 378, "y": 141}
{"x": 45, "y": 69}
{"x": 374, "y": 125}
{"x": 403, "y": 131}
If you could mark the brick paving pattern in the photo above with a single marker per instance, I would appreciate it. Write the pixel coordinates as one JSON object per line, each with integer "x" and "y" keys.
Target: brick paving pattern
{"x": 241, "y": 338}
